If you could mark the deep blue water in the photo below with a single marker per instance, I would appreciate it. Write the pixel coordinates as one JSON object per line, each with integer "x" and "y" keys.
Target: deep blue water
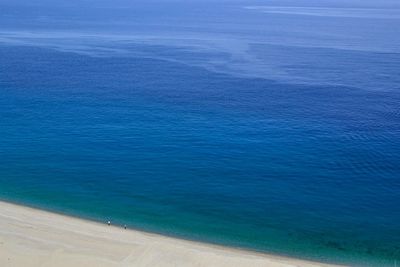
{"x": 285, "y": 141}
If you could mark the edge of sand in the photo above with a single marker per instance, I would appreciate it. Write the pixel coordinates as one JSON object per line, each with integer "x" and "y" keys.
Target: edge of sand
{"x": 33, "y": 237}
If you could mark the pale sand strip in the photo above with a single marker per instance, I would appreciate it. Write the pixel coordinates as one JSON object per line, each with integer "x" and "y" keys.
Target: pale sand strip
{"x": 30, "y": 237}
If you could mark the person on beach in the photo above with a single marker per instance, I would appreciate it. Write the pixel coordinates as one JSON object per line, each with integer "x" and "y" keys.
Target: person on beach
{"x": 109, "y": 223}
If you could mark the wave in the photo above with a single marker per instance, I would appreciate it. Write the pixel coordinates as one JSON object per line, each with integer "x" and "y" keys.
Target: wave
{"x": 377, "y": 13}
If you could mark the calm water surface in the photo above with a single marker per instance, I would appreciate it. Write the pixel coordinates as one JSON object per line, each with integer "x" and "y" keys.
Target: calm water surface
{"x": 278, "y": 132}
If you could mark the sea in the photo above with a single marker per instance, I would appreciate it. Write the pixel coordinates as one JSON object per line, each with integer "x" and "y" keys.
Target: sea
{"x": 272, "y": 126}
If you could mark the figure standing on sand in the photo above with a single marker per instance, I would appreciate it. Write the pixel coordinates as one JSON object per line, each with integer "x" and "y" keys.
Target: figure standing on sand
{"x": 109, "y": 223}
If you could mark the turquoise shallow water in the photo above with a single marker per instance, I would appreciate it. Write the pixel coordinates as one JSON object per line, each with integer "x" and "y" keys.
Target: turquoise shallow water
{"x": 288, "y": 148}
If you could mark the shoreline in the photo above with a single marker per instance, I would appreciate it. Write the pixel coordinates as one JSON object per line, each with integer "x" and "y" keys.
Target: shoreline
{"x": 34, "y": 237}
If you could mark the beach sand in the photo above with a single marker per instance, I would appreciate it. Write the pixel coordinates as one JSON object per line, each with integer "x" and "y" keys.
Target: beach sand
{"x": 31, "y": 237}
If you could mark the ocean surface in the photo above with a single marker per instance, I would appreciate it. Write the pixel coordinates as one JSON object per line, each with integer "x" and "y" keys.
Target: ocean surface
{"x": 267, "y": 125}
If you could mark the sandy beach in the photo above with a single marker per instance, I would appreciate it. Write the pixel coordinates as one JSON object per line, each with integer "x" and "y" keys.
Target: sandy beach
{"x": 31, "y": 237}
